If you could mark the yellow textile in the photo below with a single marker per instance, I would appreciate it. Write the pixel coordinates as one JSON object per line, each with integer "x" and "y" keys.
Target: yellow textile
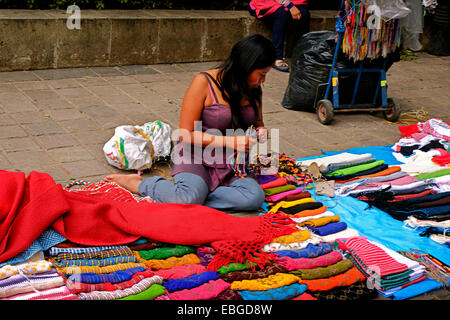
{"x": 319, "y": 221}
{"x": 157, "y": 264}
{"x": 100, "y": 270}
{"x": 288, "y": 204}
{"x": 271, "y": 282}
{"x": 296, "y": 236}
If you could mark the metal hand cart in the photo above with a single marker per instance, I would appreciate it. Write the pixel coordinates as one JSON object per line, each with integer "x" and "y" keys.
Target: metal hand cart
{"x": 326, "y": 108}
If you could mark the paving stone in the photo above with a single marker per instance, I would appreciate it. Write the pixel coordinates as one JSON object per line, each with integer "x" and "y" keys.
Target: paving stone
{"x": 14, "y": 76}
{"x": 85, "y": 168}
{"x": 15, "y": 102}
{"x": 64, "y": 114}
{"x": 52, "y": 74}
{"x": 29, "y": 159}
{"x": 77, "y": 125}
{"x": 4, "y": 163}
{"x": 136, "y": 69}
{"x": 56, "y": 141}
{"x": 6, "y": 120}
{"x": 30, "y": 117}
{"x": 42, "y": 128}
{"x": 70, "y": 154}
{"x": 18, "y": 144}
{"x": 13, "y": 131}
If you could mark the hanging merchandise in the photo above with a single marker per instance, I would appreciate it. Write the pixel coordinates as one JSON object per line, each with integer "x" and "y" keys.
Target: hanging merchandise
{"x": 367, "y": 33}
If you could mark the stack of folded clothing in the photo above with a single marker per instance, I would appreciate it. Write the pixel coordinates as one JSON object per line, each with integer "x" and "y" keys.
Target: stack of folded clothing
{"x": 34, "y": 279}
{"x": 387, "y": 270}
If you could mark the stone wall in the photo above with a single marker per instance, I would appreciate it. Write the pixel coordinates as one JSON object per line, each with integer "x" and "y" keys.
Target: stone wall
{"x": 40, "y": 39}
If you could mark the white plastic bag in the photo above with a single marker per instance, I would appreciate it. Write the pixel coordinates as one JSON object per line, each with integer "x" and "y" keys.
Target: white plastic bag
{"x": 138, "y": 147}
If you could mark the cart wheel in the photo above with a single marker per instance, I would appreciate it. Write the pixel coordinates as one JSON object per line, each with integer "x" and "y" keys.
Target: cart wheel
{"x": 394, "y": 111}
{"x": 325, "y": 111}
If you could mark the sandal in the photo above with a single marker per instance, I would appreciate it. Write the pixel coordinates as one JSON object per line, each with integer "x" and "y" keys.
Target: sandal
{"x": 282, "y": 66}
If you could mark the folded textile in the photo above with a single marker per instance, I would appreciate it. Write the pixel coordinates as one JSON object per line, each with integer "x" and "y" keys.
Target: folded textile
{"x": 182, "y": 271}
{"x": 310, "y": 251}
{"x": 190, "y": 282}
{"x": 274, "y": 183}
{"x": 344, "y": 234}
{"x": 416, "y": 289}
{"x": 304, "y": 296}
{"x": 205, "y": 291}
{"x": 117, "y": 294}
{"x": 271, "y": 282}
{"x": 355, "y": 169}
{"x": 274, "y": 246}
{"x": 18, "y": 284}
{"x": 309, "y": 213}
{"x": 356, "y": 291}
{"x": 155, "y": 290}
{"x": 326, "y": 214}
{"x": 166, "y": 252}
{"x": 373, "y": 170}
{"x": 349, "y": 277}
{"x": 318, "y": 222}
{"x": 388, "y": 171}
{"x": 332, "y": 227}
{"x": 101, "y": 254}
{"x": 324, "y": 272}
{"x": 310, "y": 263}
{"x": 301, "y": 207}
{"x": 77, "y": 287}
{"x": 91, "y": 252}
{"x": 95, "y": 262}
{"x": 113, "y": 277}
{"x": 341, "y": 157}
{"x": 282, "y": 195}
{"x": 100, "y": 270}
{"x": 296, "y": 236}
{"x": 168, "y": 263}
{"x": 288, "y": 204}
{"x": 234, "y": 266}
{"x": 297, "y": 196}
{"x": 281, "y": 293}
{"x": 75, "y": 216}
{"x": 268, "y": 270}
{"x": 58, "y": 293}
{"x": 228, "y": 294}
{"x": 336, "y": 166}
{"x": 32, "y": 267}
{"x": 434, "y": 174}
{"x": 276, "y": 190}
{"x": 262, "y": 179}
{"x": 205, "y": 258}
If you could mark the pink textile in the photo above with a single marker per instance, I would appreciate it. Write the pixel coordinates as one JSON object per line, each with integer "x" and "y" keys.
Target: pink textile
{"x": 396, "y": 182}
{"x": 279, "y": 196}
{"x": 178, "y": 272}
{"x": 271, "y": 6}
{"x": 206, "y": 291}
{"x": 310, "y": 263}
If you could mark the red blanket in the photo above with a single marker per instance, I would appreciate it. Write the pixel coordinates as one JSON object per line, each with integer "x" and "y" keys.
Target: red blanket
{"x": 29, "y": 205}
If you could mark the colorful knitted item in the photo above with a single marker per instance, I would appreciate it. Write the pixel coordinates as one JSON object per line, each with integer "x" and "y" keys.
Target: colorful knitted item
{"x": 58, "y": 293}
{"x": 283, "y": 195}
{"x": 356, "y": 291}
{"x": 274, "y": 183}
{"x": 100, "y": 270}
{"x": 166, "y": 252}
{"x": 190, "y": 282}
{"x": 180, "y": 271}
{"x": 102, "y": 254}
{"x": 349, "y": 277}
{"x": 281, "y": 293}
{"x": 276, "y": 190}
{"x": 231, "y": 267}
{"x": 320, "y": 221}
{"x": 206, "y": 291}
{"x": 271, "y": 282}
{"x": 268, "y": 270}
{"x": 310, "y": 263}
{"x": 113, "y": 277}
{"x": 324, "y": 272}
{"x": 155, "y": 290}
{"x": 330, "y": 228}
{"x": 95, "y": 262}
{"x": 117, "y": 294}
{"x": 310, "y": 251}
{"x": 288, "y": 204}
{"x": 171, "y": 262}
{"x": 297, "y": 236}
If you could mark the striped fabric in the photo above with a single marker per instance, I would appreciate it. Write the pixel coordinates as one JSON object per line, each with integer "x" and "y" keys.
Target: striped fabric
{"x": 100, "y": 270}
{"x": 110, "y": 253}
{"x": 117, "y": 294}
{"x": 53, "y": 251}
{"x": 375, "y": 258}
{"x": 95, "y": 262}
{"x": 59, "y": 293}
{"x": 78, "y": 287}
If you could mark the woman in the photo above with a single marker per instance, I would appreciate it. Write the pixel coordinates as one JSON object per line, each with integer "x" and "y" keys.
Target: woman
{"x": 278, "y": 13}
{"x": 225, "y": 98}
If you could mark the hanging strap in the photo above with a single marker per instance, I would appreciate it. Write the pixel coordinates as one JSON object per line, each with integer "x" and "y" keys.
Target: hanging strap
{"x": 211, "y": 90}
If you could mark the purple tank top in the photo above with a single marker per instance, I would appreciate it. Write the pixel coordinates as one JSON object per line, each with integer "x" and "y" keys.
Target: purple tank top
{"x": 203, "y": 161}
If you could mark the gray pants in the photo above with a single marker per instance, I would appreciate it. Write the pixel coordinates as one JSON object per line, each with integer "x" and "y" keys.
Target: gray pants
{"x": 241, "y": 195}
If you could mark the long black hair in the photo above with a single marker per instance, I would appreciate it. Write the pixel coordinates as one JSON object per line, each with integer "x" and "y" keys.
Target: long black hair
{"x": 252, "y": 52}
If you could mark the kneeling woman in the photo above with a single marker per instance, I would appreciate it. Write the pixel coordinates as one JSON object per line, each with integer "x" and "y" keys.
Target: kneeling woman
{"x": 228, "y": 97}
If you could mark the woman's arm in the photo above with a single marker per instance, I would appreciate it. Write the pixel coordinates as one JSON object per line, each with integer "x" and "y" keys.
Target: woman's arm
{"x": 191, "y": 110}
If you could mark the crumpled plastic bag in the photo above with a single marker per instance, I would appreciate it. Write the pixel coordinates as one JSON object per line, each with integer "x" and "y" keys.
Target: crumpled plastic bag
{"x": 389, "y": 9}
{"x": 138, "y": 147}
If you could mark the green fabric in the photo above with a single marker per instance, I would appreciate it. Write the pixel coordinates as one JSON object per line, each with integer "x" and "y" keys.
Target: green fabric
{"x": 279, "y": 189}
{"x": 166, "y": 252}
{"x": 355, "y": 169}
{"x": 324, "y": 272}
{"x": 234, "y": 266}
{"x": 155, "y": 290}
{"x": 435, "y": 174}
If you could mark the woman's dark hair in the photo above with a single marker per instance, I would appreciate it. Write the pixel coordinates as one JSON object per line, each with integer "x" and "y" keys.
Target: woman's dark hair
{"x": 251, "y": 53}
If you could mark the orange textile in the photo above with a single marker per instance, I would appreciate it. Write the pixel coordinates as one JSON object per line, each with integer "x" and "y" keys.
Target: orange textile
{"x": 307, "y": 213}
{"x": 345, "y": 279}
{"x": 319, "y": 222}
{"x": 157, "y": 264}
{"x": 388, "y": 171}
{"x": 296, "y": 236}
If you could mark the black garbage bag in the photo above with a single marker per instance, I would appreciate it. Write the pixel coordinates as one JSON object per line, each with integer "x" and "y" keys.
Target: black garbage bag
{"x": 312, "y": 59}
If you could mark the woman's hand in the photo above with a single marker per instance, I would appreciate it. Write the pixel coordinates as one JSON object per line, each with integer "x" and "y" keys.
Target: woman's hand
{"x": 296, "y": 14}
{"x": 240, "y": 143}
{"x": 263, "y": 134}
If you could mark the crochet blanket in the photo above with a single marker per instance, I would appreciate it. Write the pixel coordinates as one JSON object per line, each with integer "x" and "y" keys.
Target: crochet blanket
{"x": 29, "y": 205}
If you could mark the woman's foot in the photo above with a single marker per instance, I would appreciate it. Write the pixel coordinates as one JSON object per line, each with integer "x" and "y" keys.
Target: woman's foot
{"x": 128, "y": 181}
{"x": 281, "y": 65}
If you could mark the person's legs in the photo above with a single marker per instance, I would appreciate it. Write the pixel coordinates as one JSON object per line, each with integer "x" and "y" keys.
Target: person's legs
{"x": 280, "y": 19}
{"x": 242, "y": 195}
{"x": 186, "y": 188}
